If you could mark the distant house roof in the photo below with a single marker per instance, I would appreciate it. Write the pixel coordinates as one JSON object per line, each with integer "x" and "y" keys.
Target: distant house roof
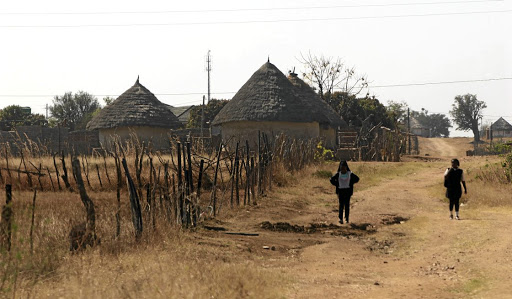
{"x": 501, "y": 124}
{"x": 181, "y": 112}
{"x": 135, "y": 107}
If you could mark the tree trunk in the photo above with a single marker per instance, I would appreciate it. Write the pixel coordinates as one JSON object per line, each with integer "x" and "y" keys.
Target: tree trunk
{"x": 476, "y": 133}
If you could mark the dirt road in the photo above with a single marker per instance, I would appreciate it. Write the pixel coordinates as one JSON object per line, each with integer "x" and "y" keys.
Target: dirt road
{"x": 400, "y": 243}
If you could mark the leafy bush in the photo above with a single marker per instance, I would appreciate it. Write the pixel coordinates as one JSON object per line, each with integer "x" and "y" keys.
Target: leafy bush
{"x": 322, "y": 153}
{"x": 500, "y": 148}
{"x": 507, "y": 165}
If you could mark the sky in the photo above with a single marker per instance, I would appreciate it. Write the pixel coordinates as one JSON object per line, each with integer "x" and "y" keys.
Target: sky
{"x": 417, "y": 52}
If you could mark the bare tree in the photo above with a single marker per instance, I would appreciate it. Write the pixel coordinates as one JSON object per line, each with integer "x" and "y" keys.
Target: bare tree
{"x": 328, "y": 73}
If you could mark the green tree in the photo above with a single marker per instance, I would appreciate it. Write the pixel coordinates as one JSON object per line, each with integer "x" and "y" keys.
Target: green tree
{"x": 397, "y": 111}
{"x": 74, "y": 110}
{"x": 108, "y": 100}
{"x": 466, "y": 111}
{"x": 377, "y": 112}
{"x": 439, "y": 124}
{"x": 354, "y": 110}
{"x": 210, "y": 111}
{"x": 14, "y": 115}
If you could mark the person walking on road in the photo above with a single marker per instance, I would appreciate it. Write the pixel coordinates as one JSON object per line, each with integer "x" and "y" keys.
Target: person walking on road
{"x": 344, "y": 181}
{"x": 452, "y": 178}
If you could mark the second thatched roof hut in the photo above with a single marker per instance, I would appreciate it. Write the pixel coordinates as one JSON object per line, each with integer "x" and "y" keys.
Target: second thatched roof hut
{"x": 270, "y": 102}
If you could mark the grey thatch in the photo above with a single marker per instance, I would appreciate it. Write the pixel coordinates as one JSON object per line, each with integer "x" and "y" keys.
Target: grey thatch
{"x": 502, "y": 125}
{"x": 317, "y": 105}
{"x": 135, "y": 107}
{"x": 269, "y": 96}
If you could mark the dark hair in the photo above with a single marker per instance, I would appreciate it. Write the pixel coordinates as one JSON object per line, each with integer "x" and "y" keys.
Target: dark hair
{"x": 343, "y": 163}
{"x": 456, "y": 161}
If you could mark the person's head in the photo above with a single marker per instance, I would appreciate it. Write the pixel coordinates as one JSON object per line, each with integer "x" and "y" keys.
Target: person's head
{"x": 343, "y": 167}
{"x": 455, "y": 163}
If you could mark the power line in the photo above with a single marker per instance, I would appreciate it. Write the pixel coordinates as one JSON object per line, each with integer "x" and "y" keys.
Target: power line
{"x": 260, "y": 21}
{"x": 108, "y": 95}
{"x": 440, "y": 83}
{"x": 248, "y": 9}
{"x": 232, "y": 92}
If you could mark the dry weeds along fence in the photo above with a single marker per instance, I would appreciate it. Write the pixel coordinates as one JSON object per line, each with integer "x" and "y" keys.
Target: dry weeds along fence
{"x": 179, "y": 188}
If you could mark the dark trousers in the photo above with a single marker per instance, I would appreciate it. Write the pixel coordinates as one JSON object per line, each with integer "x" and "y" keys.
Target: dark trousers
{"x": 454, "y": 201}
{"x": 344, "y": 200}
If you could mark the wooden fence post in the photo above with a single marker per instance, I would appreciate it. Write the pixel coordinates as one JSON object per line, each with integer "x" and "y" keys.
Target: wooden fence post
{"x": 82, "y": 237}
{"x": 134, "y": 202}
{"x": 65, "y": 175}
{"x": 213, "y": 200}
{"x": 235, "y": 171}
{"x": 6, "y": 223}
{"x": 32, "y": 222}
{"x": 56, "y": 171}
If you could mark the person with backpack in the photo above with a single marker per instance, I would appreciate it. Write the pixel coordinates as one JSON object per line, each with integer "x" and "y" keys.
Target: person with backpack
{"x": 452, "y": 178}
{"x": 344, "y": 181}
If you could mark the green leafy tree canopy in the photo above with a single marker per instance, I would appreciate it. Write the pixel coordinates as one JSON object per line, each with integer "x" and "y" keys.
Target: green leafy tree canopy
{"x": 74, "y": 110}
{"x": 466, "y": 111}
{"x": 439, "y": 124}
{"x": 210, "y": 111}
{"x": 14, "y": 115}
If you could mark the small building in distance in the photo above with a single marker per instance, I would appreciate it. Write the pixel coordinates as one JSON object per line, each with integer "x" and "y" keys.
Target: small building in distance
{"x": 136, "y": 111}
{"x": 418, "y": 129}
{"x": 499, "y": 129}
{"x": 270, "y": 102}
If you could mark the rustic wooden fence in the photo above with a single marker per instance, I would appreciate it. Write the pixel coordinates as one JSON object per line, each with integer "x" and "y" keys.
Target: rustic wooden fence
{"x": 183, "y": 186}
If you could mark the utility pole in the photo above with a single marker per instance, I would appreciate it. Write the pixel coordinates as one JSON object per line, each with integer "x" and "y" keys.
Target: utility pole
{"x": 208, "y": 69}
{"x": 46, "y": 110}
{"x": 409, "y": 129}
{"x": 202, "y": 117}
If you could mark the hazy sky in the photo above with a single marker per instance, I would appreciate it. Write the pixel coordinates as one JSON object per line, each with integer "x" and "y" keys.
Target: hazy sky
{"x": 50, "y": 47}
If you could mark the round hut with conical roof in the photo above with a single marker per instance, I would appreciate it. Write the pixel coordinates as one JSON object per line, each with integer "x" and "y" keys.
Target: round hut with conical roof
{"x": 136, "y": 111}
{"x": 270, "y": 102}
{"x": 328, "y": 120}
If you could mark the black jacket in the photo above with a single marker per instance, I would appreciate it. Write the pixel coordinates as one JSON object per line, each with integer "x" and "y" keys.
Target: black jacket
{"x": 353, "y": 179}
{"x": 452, "y": 183}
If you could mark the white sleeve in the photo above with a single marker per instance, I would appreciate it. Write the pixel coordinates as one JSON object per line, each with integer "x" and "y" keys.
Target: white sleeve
{"x": 446, "y": 172}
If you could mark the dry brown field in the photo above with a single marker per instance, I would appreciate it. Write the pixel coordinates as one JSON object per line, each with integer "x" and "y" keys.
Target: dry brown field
{"x": 400, "y": 242}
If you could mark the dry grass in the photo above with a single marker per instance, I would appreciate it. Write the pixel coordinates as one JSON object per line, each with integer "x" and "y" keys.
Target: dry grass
{"x": 169, "y": 262}
{"x": 166, "y": 263}
{"x": 172, "y": 269}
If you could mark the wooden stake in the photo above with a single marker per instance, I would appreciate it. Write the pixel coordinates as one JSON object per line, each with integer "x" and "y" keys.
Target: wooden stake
{"x": 134, "y": 202}
{"x": 213, "y": 200}
{"x": 57, "y": 171}
{"x": 6, "y": 221}
{"x": 32, "y": 222}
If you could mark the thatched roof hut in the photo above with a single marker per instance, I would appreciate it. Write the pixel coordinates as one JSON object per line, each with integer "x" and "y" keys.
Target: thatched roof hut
{"x": 272, "y": 103}
{"x": 267, "y": 96}
{"x": 135, "y": 107}
{"x": 327, "y": 115}
{"x": 137, "y": 111}
{"x": 417, "y": 128}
